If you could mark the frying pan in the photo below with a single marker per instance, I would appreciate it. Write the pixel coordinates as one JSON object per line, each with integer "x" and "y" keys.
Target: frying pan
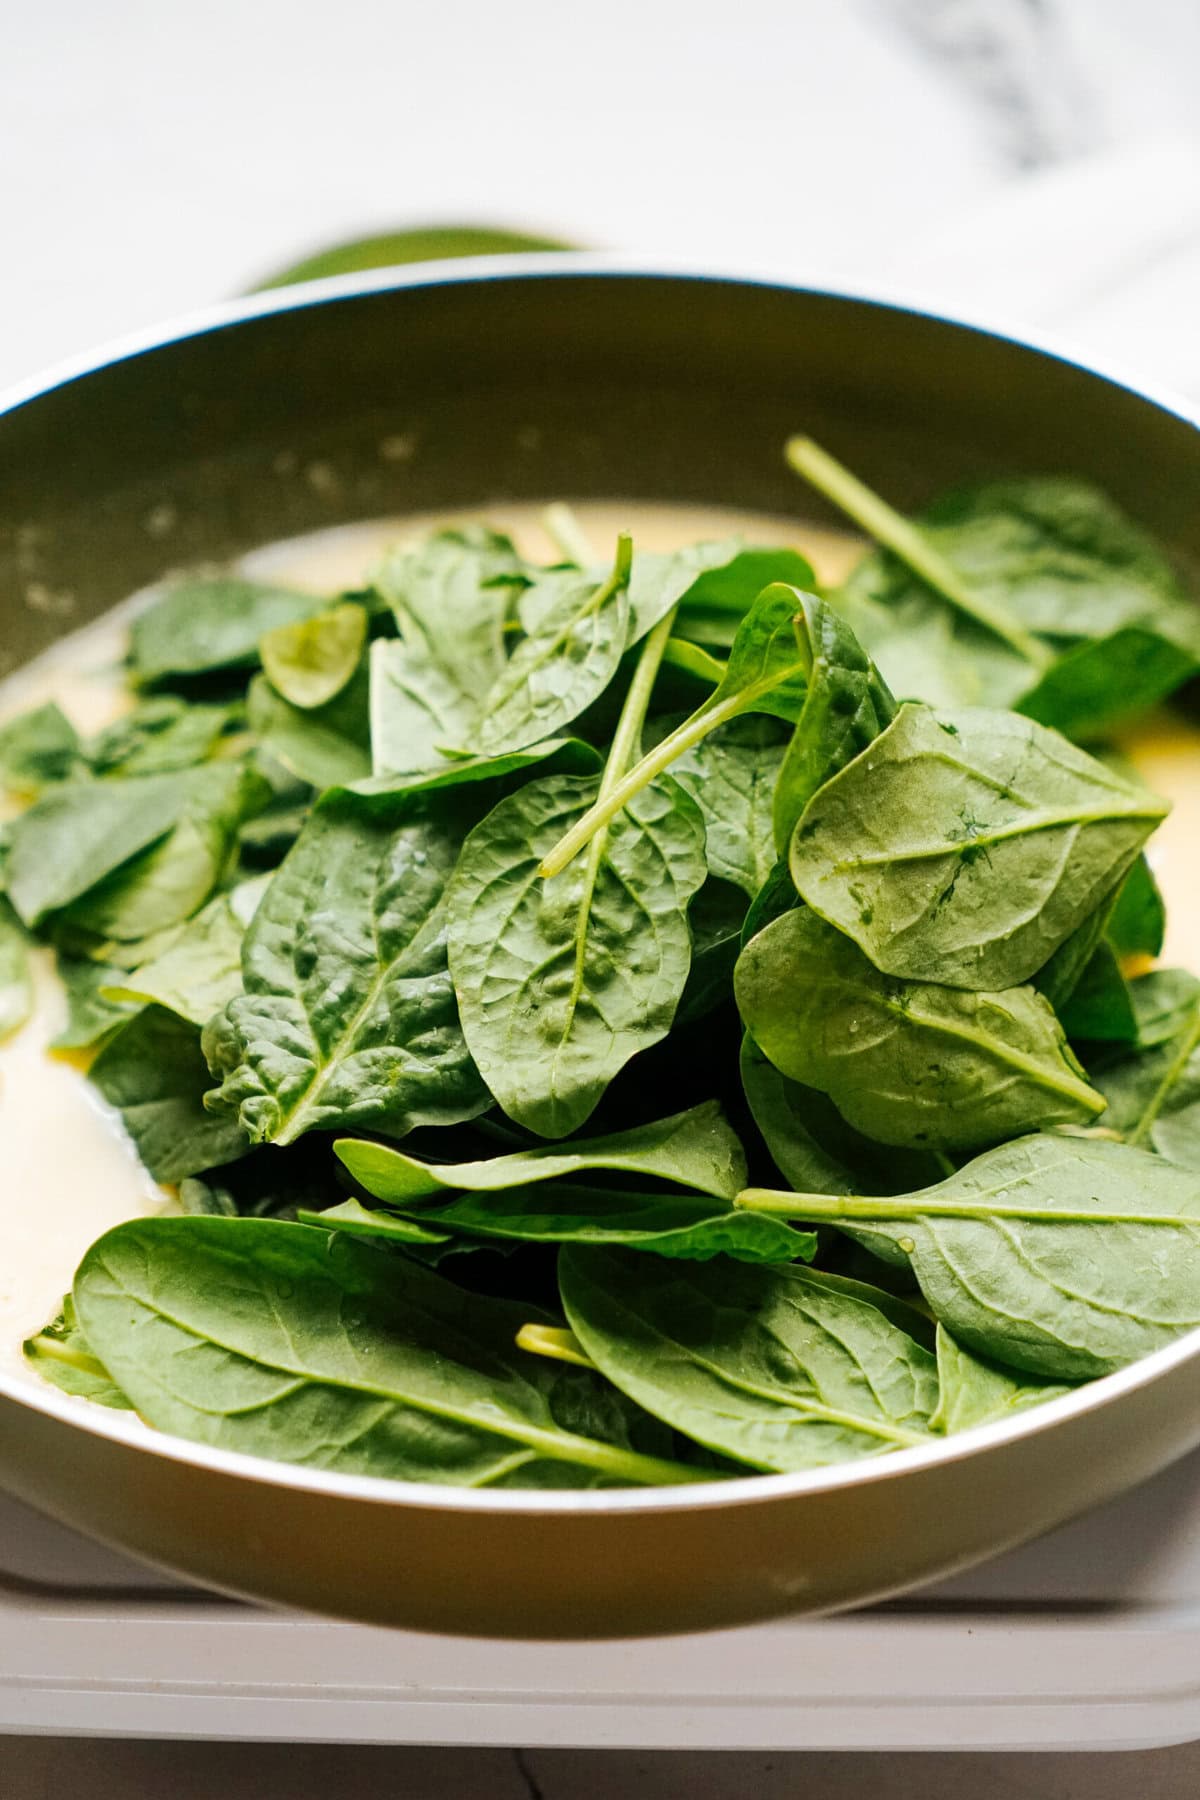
{"x": 448, "y": 386}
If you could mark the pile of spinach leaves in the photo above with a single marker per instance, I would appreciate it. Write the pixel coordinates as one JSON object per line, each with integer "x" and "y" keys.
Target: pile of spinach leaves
{"x": 629, "y": 1022}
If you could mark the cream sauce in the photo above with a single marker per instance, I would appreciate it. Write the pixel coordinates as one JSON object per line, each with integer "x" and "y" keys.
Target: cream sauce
{"x": 70, "y": 1172}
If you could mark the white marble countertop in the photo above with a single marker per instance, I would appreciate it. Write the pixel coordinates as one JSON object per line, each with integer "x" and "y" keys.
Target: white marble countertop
{"x": 1026, "y": 159}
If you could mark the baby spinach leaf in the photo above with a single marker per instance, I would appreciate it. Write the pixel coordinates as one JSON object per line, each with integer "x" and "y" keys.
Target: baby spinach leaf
{"x": 1154, "y": 1098}
{"x": 16, "y": 976}
{"x": 1163, "y": 1001}
{"x": 1100, "y": 1007}
{"x": 309, "y": 661}
{"x": 278, "y": 1340}
{"x": 91, "y": 1016}
{"x": 198, "y": 974}
{"x": 78, "y": 834}
{"x": 776, "y": 896}
{"x": 1035, "y": 593}
{"x": 329, "y": 746}
{"x": 560, "y": 756}
{"x": 781, "y": 1368}
{"x": 676, "y": 1225}
{"x": 166, "y": 883}
{"x": 731, "y": 776}
{"x": 154, "y": 1073}
{"x": 1137, "y": 922}
{"x": 451, "y": 595}
{"x": 965, "y": 850}
{"x": 811, "y": 1144}
{"x": 767, "y": 672}
{"x": 417, "y": 708}
{"x": 906, "y": 1062}
{"x": 348, "y": 1015}
{"x": 974, "y": 1391}
{"x": 1066, "y": 1257}
{"x": 701, "y": 575}
{"x": 1096, "y": 686}
{"x": 161, "y": 734}
{"x": 62, "y": 1355}
{"x": 847, "y": 705}
{"x": 697, "y": 1149}
{"x": 208, "y": 622}
{"x": 718, "y": 600}
{"x": 361, "y": 1221}
{"x": 560, "y": 983}
{"x": 564, "y": 663}
{"x": 38, "y": 747}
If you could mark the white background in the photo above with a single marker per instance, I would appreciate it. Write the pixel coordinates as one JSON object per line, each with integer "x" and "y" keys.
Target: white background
{"x": 1026, "y": 159}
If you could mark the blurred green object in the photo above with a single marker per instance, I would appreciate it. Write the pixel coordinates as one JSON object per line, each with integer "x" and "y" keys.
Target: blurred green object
{"x": 430, "y": 243}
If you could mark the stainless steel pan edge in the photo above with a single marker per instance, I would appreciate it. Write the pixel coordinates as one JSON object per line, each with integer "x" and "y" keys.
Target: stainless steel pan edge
{"x": 625, "y": 1562}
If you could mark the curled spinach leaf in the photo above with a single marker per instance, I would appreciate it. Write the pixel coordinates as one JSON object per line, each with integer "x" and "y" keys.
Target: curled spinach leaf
{"x": 309, "y": 661}
{"x": 154, "y": 1073}
{"x": 696, "y": 1149}
{"x": 674, "y": 1225}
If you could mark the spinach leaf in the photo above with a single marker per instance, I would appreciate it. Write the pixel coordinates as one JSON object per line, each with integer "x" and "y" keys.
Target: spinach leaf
{"x": 1095, "y": 687}
{"x": 1138, "y": 920}
{"x": 731, "y": 776}
{"x": 1163, "y": 1002}
{"x": 906, "y": 1062}
{"x": 560, "y": 983}
{"x": 198, "y": 974}
{"x": 974, "y": 1391}
{"x": 451, "y": 595}
{"x": 712, "y": 609}
{"x": 565, "y": 662}
{"x": 564, "y": 755}
{"x": 282, "y": 1341}
{"x": 91, "y": 1015}
{"x": 1154, "y": 1098}
{"x": 38, "y": 747}
{"x": 697, "y": 1149}
{"x": 348, "y": 1015}
{"x": 329, "y": 746}
{"x": 159, "y": 735}
{"x": 781, "y": 1368}
{"x": 965, "y": 850}
{"x": 62, "y": 1355}
{"x": 16, "y": 976}
{"x": 704, "y": 576}
{"x": 75, "y": 836}
{"x": 154, "y": 1073}
{"x": 309, "y": 661}
{"x": 847, "y": 705}
{"x": 811, "y": 1144}
{"x": 166, "y": 883}
{"x": 417, "y": 709}
{"x": 767, "y": 672}
{"x": 1035, "y": 593}
{"x": 208, "y": 622}
{"x": 1100, "y": 1007}
{"x": 677, "y": 1225}
{"x": 1066, "y": 1257}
